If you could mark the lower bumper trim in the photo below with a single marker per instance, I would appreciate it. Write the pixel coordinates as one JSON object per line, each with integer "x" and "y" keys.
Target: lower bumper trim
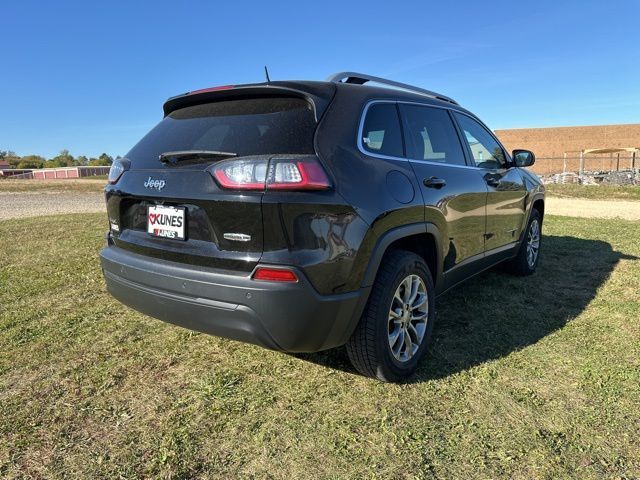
{"x": 291, "y": 317}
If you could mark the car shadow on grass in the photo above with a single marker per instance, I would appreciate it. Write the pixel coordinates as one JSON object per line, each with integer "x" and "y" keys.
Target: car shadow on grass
{"x": 494, "y": 314}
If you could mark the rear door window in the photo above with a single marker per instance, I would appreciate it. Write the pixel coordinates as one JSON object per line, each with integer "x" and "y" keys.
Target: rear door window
{"x": 430, "y": 135}
{"x": 255, "y": 126}
{"x": 381, "y": 132}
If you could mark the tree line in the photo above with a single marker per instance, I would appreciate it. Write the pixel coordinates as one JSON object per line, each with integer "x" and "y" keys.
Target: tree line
{"x": 63, "y": 159}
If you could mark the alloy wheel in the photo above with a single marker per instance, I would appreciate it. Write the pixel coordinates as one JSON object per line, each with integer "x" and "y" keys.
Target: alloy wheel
{"x": 408, "y": 316}
{"x": 533, "y": 243}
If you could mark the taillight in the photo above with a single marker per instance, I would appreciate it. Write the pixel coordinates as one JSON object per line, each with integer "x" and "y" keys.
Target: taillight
{"x": 118, "y": 167}
{"x": 275, "y": 274}
{"x": 297, "y": 175}
{"x": 241, "y": 174}
{"x": 303, "y": 173}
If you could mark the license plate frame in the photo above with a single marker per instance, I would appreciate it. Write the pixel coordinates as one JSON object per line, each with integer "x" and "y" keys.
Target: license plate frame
{"x": 168, "y": 222}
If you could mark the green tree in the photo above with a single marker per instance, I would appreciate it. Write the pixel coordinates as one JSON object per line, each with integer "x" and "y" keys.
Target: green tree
{"x": 64, "y": 159}
{"x": 31, "y": 161}
{"x": 10, "y": 157}
{"x": 81, "y": 161}
{"x": 103, "y": 160}
{"x": 108, "y": 159}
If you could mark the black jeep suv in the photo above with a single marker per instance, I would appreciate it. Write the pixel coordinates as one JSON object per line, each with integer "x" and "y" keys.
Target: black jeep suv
{"x": 302, "y": 216}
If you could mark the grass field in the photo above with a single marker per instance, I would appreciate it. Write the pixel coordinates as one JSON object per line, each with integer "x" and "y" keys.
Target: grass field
{"x": 595, "y": 192}
{"x": 94, "y": 184}
{"x": 534, "y": 377}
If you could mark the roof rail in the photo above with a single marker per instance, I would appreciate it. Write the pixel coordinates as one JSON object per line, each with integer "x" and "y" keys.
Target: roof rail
{"x": 361, "y": 78}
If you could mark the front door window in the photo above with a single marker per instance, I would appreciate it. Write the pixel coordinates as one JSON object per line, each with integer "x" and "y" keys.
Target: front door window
{"x": 485, "y": 150}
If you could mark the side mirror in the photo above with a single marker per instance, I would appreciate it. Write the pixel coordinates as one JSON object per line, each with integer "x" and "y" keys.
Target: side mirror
{"x": 523, "y": 158}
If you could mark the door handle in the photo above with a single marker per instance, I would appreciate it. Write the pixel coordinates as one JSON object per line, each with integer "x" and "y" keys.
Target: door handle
{"x": 434, "y": 182}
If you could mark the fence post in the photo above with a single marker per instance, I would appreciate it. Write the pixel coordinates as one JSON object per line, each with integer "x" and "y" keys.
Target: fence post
{"x": 564, "y": 164}
{"x": 581, "y": 164}
{"x": 618, "y": 163}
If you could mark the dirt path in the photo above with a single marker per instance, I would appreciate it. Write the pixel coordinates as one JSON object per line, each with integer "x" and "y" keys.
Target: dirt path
{"x": 34, "y": 204}
{"x": 581, "y": 207}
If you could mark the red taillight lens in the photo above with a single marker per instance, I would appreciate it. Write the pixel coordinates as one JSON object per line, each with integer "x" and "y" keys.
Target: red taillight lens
{"x": 304, "y": 173}
{"x": 274, "y": 275}
{"x": 241, "y": 174}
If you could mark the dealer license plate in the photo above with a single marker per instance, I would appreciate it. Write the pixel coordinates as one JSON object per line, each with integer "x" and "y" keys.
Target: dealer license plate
{"x": 166, "y": 222}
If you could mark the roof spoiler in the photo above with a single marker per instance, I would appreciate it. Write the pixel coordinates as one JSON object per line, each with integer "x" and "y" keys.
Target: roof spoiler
{"x": 316, "y": 98}
{"x": 362, "y": 78}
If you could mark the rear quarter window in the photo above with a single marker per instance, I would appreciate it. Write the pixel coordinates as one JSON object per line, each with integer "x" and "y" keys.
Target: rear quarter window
{"x": 255, "y": 126}
{"x": 381, "y": 131}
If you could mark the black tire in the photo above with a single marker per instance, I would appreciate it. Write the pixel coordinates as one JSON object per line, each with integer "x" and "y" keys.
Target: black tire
{"x": 368, "y": 348}
{"x": 520, "y": 264}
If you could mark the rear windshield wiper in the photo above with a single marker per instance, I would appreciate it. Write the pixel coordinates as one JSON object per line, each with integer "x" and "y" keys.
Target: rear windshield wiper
{"x": 178, "y": 156}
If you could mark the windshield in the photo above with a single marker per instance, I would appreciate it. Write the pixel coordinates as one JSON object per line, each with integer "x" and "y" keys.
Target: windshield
{"x": 256, "y": 126}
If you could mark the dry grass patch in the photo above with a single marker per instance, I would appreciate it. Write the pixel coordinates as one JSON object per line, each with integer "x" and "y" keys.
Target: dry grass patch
{"x": 47, "y": 186}
{"x": 595, "y": 192}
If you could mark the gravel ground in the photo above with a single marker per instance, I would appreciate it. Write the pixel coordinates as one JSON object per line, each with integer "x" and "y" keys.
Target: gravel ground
{"x": 32, "y": 204}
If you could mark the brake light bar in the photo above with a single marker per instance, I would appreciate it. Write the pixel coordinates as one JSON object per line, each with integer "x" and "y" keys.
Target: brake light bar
{"x": 212, "y": 89}
{"x": 275, "y": 275}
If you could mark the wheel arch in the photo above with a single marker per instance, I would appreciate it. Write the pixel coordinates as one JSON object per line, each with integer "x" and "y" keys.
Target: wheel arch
{"x": 538, "y": 204}
{"x": 420, "y": 238}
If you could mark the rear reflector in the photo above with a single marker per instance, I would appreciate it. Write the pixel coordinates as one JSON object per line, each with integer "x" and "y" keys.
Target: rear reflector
{"x": 274, "y": 275}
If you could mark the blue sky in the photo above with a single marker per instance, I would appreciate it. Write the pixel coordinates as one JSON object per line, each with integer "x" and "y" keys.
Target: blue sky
{"x": 92, "y": 78}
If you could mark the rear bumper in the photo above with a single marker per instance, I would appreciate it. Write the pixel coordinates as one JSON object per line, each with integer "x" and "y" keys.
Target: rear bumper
{"x": 282, "y": 316}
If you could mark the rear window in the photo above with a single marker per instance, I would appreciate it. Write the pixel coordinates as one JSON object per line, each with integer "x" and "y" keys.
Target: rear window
{"x": 430, "y": 135}
{"x": 257, "y": 126}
